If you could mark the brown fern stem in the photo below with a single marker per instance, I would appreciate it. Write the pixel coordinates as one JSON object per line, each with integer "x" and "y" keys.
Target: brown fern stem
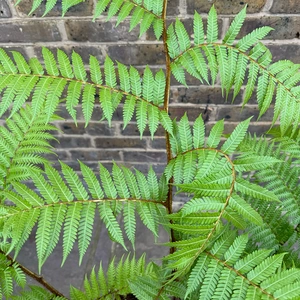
{"x": 166, "y": 108}
{"x": 35, "y": 276}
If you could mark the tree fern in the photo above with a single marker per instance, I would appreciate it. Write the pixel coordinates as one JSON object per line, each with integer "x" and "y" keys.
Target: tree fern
{"x": 236, "y": 237}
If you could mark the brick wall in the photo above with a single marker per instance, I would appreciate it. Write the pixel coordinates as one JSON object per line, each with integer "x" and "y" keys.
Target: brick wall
{"x": 76, "y": 31}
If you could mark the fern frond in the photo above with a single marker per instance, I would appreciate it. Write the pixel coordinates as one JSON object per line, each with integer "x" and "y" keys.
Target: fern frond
{"x": 116, "y": 282}
{"x": 68, "y": 204}
{"x": 21, "y": 79}
{"x": 279, "y": 218}
{"x": 233, "y": 61}
{"x": 22, "y": 141}
{"x": 218, "y": 273}
{"x": 11, "y": 276}
{"x": 148, "y": 13}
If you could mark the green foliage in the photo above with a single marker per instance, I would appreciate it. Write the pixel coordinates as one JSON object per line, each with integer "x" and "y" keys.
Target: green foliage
{"x": 237, "y": 237}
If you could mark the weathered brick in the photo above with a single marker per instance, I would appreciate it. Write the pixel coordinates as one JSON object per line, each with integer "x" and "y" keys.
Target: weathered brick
{"x": 192, "y": 111}
{"x": 93, "y": 128}
{"x": 145, "y": 156}
{"x": 285, "y": 7}
{"x": 224, "y": 7}
{"x": 20, "y": 49}
{"x": 158, "y": 143}
{"x": 4, "y": 10}
{"x": 188, "y": 24}
{"x": 139, "y": 54}
{"x": 258, "y": 128}
{"x": 282, "y": 51}
{"x": 237, "y": 114}
{"x": 95, "y": 155}
{"x": 120, "y": 143}
{"x": 203, "y": 95}
{"x": 82, "y": 9}
{"x": 75, "y": 165}
{"x": 99, "y": 31}
{"x": 72, "y": 142}
{"x": 173, "y": 7}
{"x": 285, "y": 27}
{"x": 132, "y": 129}
{"x": 29, "y": 32}
{"x": 83, "y": 51}
{"x": 59, "y": 155}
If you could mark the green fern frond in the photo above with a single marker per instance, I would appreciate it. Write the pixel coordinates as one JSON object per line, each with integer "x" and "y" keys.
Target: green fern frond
{"x": 20, "y": 79}
{"x": 66, "y": 5}
{"x": 37, "y": 293}
{"x": 279, "y": 219}
{"x": 11, "y": 276}
{"x": 220, "y": 270}
{"x": 22, "y": 141}
{"x": 232, "y": 61}
{"x": 116, "y": 282}
{"x": 147, "y": 13}
{"x": 65, "y": 204}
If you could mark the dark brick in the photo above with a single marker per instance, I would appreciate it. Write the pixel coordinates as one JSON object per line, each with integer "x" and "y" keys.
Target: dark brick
{"x": 75, "y": 165}
{"x": 94, "y": 128}
{"x": 120, "y": 143}
{"x": 192, "y": 111}
{"x": 4, "y": 10}
{"x": 202, "y": 95}
{"x": 188, "y": 24}
{"x": 144, "y": 167}
{"x": 132, "y": 129}
{"x": 173, "y": 7}
{"x": 158, "y": 143}
{"x": 224, "y": 7}
{"x": 83, "y": 51}
{"x": 285, "y": 27}
{"x": 83, "y": 9}
{"x": 29, "y": 32}
{"x": 72, "y": 142}
{"x": 281, "y": 51}
{"x": 255, "y": 127}
{"x": 285, "y": 7}
{"x": 59, "y": 155}
{"x": 94, "y": 155}
{"x": 145, "y": 156}
{"x": 99, "y": 31}
{"x": 20, "y": 49}
{"x": 139, "y": 54}
{"x": 100, "y": 128}
{"x": 237, "y": 114}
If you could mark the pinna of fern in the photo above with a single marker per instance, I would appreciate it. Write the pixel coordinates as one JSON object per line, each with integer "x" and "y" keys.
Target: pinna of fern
{"x": 144, "y": 12}
{"x": 245, "y": 62}
{"x": 64, "y": 204}
{"x": 280, "y": 221}
{"x": 206, "y": 170}
{"x": 20, "y": 79}
{"x": 23, "y": 141}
